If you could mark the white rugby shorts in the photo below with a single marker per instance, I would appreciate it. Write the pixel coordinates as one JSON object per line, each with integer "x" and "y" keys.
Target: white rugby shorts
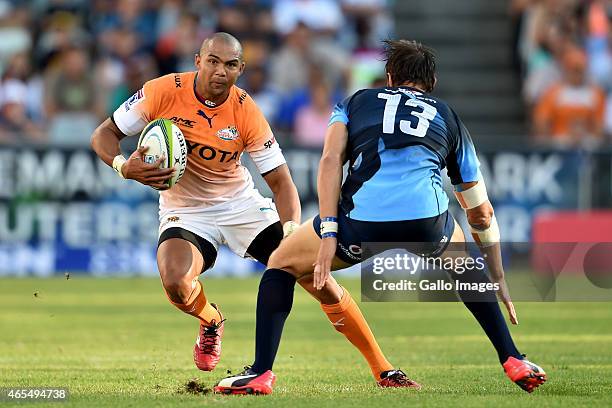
{"x": 234, "y": 223}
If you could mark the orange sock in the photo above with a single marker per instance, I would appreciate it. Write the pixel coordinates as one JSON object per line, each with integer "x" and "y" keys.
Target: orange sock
{"x": 348, "y": 320}
{"x": 198, "y": 306}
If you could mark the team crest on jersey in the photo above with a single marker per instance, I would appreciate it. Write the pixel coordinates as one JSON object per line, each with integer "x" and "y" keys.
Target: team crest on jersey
{"x": 229, "y": 133}
{"x": 133, "y": 99}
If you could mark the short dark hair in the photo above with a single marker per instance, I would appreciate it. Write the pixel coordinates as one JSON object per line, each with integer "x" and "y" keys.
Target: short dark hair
{"x": 410, "y": 61}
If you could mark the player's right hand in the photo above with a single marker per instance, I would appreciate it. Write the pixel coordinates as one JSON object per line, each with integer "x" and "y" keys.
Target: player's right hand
{"x": 322, "y": 267}
{"x": 148, "y": 174}
{"x": 504, "y": 295}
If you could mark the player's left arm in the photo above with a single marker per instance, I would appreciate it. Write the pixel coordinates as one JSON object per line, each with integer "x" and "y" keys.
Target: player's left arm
{"x": 268, "y": 157}
{"x": 471, "y": 192}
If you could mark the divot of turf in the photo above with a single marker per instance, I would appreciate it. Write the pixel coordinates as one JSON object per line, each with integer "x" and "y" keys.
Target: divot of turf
{"x": 194, "y": 387}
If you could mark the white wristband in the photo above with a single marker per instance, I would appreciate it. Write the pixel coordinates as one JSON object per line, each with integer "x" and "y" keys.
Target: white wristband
{"x": 489, "y": 236}
{"x": 329, "y": 226}
{"x": 118, "y": 163}
{"x": 473, "y": 196}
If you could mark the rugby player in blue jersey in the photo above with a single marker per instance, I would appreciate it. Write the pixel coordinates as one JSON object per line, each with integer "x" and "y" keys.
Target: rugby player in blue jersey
{"x": 397, "y": 140}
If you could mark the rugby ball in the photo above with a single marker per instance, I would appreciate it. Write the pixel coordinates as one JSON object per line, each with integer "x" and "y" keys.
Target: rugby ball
{"x": 164, "y": 139}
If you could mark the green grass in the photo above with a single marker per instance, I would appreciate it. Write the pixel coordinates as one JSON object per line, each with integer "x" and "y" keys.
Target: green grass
{"x": 118, "y": 342}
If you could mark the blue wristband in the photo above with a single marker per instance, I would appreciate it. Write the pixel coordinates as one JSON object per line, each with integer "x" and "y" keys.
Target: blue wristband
{"x": 329, "y": 235}
{"x": 329, "y": 219}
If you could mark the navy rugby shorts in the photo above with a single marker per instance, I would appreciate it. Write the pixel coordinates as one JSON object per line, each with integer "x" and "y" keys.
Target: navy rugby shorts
{"x": 427, "y": 236}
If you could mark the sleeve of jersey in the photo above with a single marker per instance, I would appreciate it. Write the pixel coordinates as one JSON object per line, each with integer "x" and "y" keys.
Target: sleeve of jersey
{"x": 340, "y": 113}
{"x": 261, "y": 143}
{"x": 133, "y": 115}
{"x": 463, "y": 164}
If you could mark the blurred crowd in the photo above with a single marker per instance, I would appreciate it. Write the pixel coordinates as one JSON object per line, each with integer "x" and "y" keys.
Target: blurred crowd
{"x": 564, "y": 54}
{"x": 65, "y": 65}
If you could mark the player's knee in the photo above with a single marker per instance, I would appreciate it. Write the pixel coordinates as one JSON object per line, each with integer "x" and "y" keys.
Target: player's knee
{"x": 177, "y": 283}
{"x": 278, "y": 260}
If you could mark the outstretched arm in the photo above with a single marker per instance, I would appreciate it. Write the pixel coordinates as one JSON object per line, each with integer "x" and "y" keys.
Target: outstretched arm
{"x": 328, "y": 184}
{"x": 474, "y": 200}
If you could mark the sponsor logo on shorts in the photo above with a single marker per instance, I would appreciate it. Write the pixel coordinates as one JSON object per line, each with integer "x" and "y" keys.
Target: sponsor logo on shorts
{"x": 348, "y": 253}
{"x": 355, "y": 249}
{"x": 170, "y": 219}
{"x": 229, "y": 133}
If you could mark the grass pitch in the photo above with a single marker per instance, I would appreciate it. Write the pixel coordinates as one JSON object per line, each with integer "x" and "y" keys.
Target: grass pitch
{"x": 118, "y": 342}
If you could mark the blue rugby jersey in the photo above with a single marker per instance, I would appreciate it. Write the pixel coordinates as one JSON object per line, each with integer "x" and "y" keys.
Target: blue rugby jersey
{"x": 399, "y": 140}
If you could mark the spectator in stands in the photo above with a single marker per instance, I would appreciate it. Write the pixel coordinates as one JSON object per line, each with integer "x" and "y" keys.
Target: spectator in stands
{"x": 293, "y": 102}
{"x": 598, "y": 45}
{"x": 324, "y": 16}
{"x": 62, "y": 29}
{"x": 18, "y": 103}
{"x": 545, "y": 68}
{"x": 571, "y": 112}
{"x": 369, "y": 22}
{"x": 257, "y": 85}
{"x": 176, "y": 49}
{"x": 312, "y": 120}
{"x": 70, "y": 98}
{"x": 131, "y": 40}
{"x": 138, "y": 70}
{"x": 291, "y": 66}
{"x": 130, "y": 15}
{"x": 246, "y": 19}
{"x": 548, "y": 27}
{"x": 14, "y": 34}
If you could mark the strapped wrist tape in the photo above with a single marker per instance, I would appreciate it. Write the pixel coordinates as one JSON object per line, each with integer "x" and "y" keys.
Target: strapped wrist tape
{"x": 489, "y": 236}
{"x": 118, "y": 163}
{"x": 329, "y": 225}
{"x": 473, "y": 196}
{"x": 289, "y": 227}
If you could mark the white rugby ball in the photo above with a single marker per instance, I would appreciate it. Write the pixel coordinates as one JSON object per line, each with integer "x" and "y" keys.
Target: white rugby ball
{"x": 165, "y": 139}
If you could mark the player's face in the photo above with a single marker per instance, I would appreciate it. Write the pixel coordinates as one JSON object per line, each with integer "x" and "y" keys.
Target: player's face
{"x": 219, "y": 66}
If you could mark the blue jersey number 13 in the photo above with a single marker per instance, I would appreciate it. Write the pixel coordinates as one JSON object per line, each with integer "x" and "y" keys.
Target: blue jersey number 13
{"x": 393, "y": 101}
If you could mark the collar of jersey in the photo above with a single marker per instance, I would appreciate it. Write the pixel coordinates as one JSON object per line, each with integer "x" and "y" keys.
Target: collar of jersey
{"x": 412, "y": 88}
{"x": 203, "y": 101}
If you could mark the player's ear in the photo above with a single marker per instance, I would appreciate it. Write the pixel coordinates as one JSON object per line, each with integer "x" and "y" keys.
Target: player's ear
{"x": 197, "y": 59}
{"x": 242, "y": 65}
{"x": 389, "y": 80}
